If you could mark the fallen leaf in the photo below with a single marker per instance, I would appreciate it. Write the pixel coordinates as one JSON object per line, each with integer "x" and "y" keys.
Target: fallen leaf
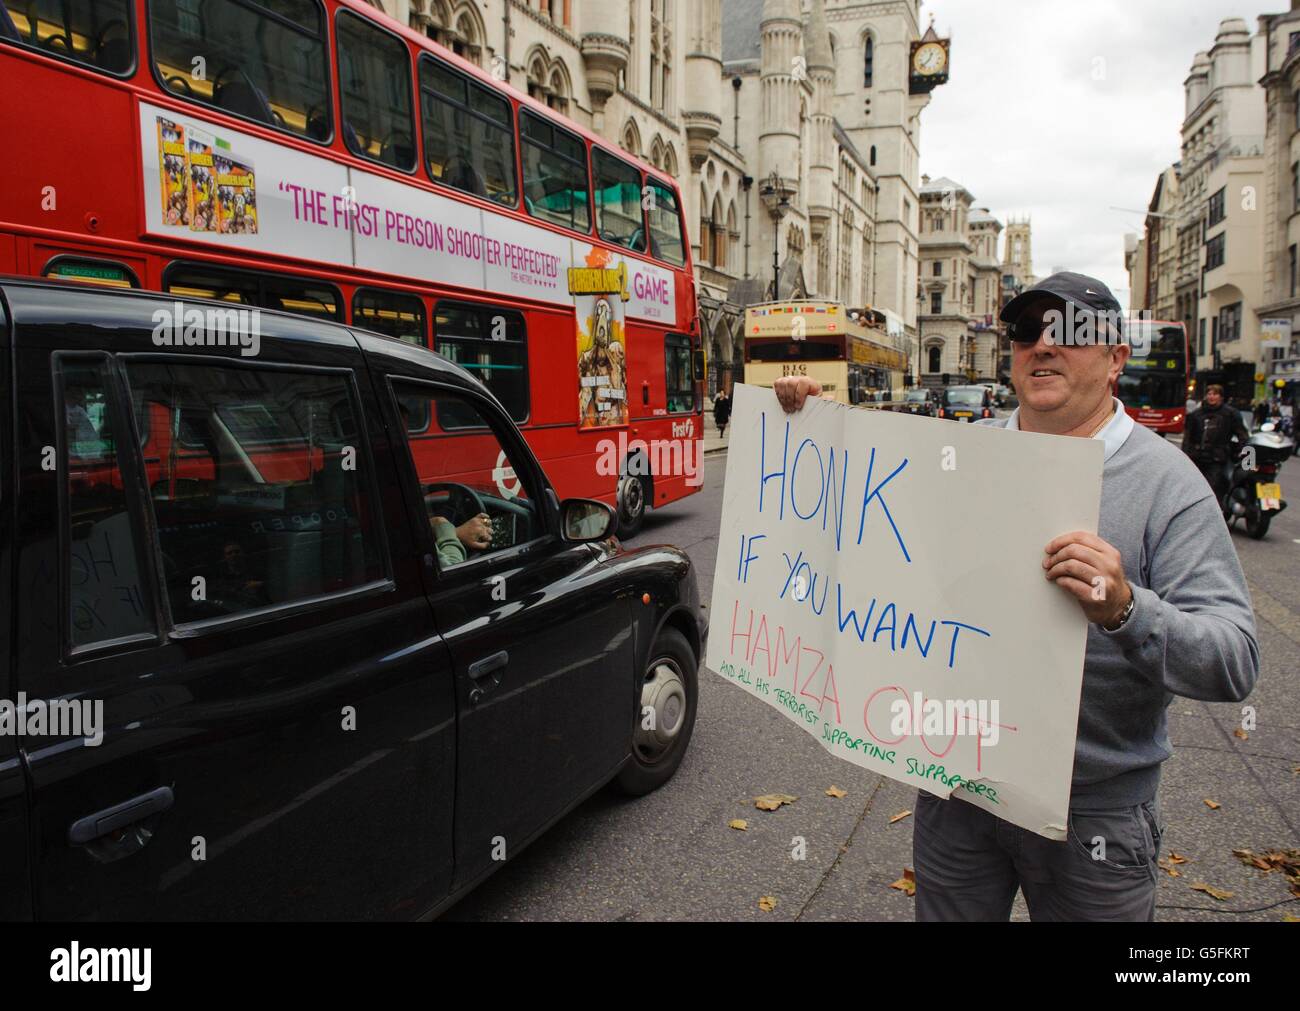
{"x": 767, "y": 903}
{"x": 836, "y": 792}
{"x": 1296, "y": 771}
{"x": 1241, "y": 734}
{"x": 1176, "y": 858}
{"x": 1167, "y": 865}
{"x": 1290, "y": 919}
{"x": 1215, "y": 893}
{"x": 739, "y": 824}
{"x": 899, "y": 817}
{"x": 907, "y": 883}
{"x": 772, "y": 801}
{"x": 1212, "y": 805}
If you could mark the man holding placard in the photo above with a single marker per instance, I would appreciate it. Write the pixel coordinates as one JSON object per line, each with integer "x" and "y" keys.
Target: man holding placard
{"x": 1169, "y": 613}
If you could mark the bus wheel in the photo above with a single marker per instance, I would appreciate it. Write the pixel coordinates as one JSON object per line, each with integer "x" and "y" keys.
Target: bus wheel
{"x": 665, "y": 717}
{"x": 632, "y": 494}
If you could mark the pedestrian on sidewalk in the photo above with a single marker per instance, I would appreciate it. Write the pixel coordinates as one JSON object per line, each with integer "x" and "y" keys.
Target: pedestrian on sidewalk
{"x": 1208, "y": 437}
{"x": 1174, "y": 619}
{"x": 721, "y": 411}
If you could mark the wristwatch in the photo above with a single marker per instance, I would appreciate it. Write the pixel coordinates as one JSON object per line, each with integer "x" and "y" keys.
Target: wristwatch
{"x": 1124, "y": 617}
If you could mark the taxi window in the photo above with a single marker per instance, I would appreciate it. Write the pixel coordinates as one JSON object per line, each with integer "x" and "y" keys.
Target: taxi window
{"x": 107, "y": 598}
{"x": 96, "y": 33}
{"x": 266, "y": 60}
{"x": 477, "y": 503}
{"x": 265, "y": 497}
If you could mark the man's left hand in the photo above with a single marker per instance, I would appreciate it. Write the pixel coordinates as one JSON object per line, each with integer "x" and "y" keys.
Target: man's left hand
{"x": 1091, "y": 570}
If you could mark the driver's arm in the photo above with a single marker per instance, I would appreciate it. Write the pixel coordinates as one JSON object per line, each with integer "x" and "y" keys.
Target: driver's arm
{"x": 450, "y": 549}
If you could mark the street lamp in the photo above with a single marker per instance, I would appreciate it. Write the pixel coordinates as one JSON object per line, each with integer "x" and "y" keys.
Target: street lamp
{"x": 776, "y": 197}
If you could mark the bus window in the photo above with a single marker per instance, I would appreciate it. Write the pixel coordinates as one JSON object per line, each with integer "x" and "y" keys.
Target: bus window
{"x": 678, "y": 379}
{"x": 665, "y": 225}
{"x": 96, "y": 33}
{"x": 392, "y": 314}
{"x": 491, "y": 344}
{"x": 106, "y": 273}
{"x": 469, "y": 139}
{"x": 266, "y": 291}
{"x": 555, "y": 174}
{"x": 618, "y": 201}
{"x": 265, "y": 61}
{"x": 375, "y": 81}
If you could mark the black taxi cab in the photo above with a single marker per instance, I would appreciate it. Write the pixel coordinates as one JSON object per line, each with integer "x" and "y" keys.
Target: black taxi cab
{"x": 298, "y": 627}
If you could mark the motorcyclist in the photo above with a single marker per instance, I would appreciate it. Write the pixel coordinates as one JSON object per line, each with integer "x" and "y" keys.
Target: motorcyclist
{"x": 1208, "y": 439}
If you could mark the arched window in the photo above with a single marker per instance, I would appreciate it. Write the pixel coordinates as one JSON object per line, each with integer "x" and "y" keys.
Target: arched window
{"x": 706, "y": 229}
{"x": 467, "y": 42}
{"x": 719, "y": 235}
{"x": 536, "y": 79}
{"x": 733, "y": 238}
{"x": 632, "y": 138}
{"x": 935, "y": 355}
{"x": 670, "y": 161}
{"x": 558, "y": 98}
{"x": 868, "y": 60}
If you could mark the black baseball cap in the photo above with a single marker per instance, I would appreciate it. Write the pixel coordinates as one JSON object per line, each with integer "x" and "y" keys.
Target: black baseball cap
{"x": 1087, "y": 294}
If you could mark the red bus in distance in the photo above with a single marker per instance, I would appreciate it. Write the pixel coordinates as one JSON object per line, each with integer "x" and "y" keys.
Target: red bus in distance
{"x": 1153, "y": 384}
{"x": 319, "y": 158}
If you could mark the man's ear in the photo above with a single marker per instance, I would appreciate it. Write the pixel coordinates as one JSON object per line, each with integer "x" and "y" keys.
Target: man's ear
{"x": 1119, "y": 355}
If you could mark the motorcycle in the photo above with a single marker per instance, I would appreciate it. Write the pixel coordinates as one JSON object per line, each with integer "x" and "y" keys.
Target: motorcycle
{"x": 1254, "y": 493}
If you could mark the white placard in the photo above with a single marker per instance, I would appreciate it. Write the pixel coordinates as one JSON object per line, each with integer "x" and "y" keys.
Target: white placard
{"x": 872, "y": 564}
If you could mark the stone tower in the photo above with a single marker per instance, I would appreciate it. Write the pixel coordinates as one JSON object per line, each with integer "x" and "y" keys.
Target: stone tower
{"x": 1018, "y": 255}
{"x": 702, "y": 115}
{"x": 819, "y": 71}
{"x": 605, "y": 51}
{"x": 782, "y": 45}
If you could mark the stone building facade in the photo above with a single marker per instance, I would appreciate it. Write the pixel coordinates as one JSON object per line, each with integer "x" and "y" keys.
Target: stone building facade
{"x": 1280, "y": 307}
{"x": 725, "y": 95}
{"x": 959, "y": 288}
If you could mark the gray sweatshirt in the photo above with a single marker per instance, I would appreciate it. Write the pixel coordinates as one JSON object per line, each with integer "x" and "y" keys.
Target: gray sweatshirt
{"x": 1192, "y": 630}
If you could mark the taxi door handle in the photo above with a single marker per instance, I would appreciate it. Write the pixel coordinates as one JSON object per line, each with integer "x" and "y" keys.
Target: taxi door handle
{"x": 109, "y": 820}
{"x": 480, "y": 669}
{"x": 483, "y": 674}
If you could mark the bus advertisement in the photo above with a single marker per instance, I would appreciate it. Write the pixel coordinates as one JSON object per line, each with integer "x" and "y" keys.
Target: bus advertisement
{"x": 1153, "y": 384}
{"x": 348, "y": 168}
{"x": 854, "y": 362}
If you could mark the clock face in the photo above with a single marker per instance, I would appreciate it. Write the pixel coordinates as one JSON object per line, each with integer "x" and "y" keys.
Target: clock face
{"x": 931, "y": 59}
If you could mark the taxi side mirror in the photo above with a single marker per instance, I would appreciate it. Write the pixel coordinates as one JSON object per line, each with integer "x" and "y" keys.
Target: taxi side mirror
{"x": 583, "y": 520}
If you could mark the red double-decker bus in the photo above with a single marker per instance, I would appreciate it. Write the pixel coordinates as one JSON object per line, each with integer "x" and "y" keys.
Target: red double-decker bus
{"x": 1153, "y": 385}
{"x": 315, "y": 156}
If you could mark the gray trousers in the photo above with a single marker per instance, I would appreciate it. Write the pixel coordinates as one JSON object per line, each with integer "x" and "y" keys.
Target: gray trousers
{"x": 969, "y": 864}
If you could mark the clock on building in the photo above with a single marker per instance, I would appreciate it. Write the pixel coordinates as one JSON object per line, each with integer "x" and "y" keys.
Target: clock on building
{"x": 929, "y": 63}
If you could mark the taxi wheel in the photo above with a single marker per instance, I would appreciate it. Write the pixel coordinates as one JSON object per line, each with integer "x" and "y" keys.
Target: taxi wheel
{"x": 632, "y": 495}
{"x": 665, "y": 717}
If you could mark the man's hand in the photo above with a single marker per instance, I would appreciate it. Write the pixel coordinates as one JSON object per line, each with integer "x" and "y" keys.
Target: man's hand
{"x": 476, "y": 532}
{"x": 1092, "y": 571}
{"x": 792, "y": 391}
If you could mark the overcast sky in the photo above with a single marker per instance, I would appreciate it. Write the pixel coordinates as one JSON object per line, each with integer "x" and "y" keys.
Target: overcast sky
{"x": 1023, "y": 124}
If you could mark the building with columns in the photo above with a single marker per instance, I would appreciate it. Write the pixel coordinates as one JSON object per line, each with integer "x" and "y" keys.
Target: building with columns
{"x": 793, "y": 131}
{"x": 960, "y": 287}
